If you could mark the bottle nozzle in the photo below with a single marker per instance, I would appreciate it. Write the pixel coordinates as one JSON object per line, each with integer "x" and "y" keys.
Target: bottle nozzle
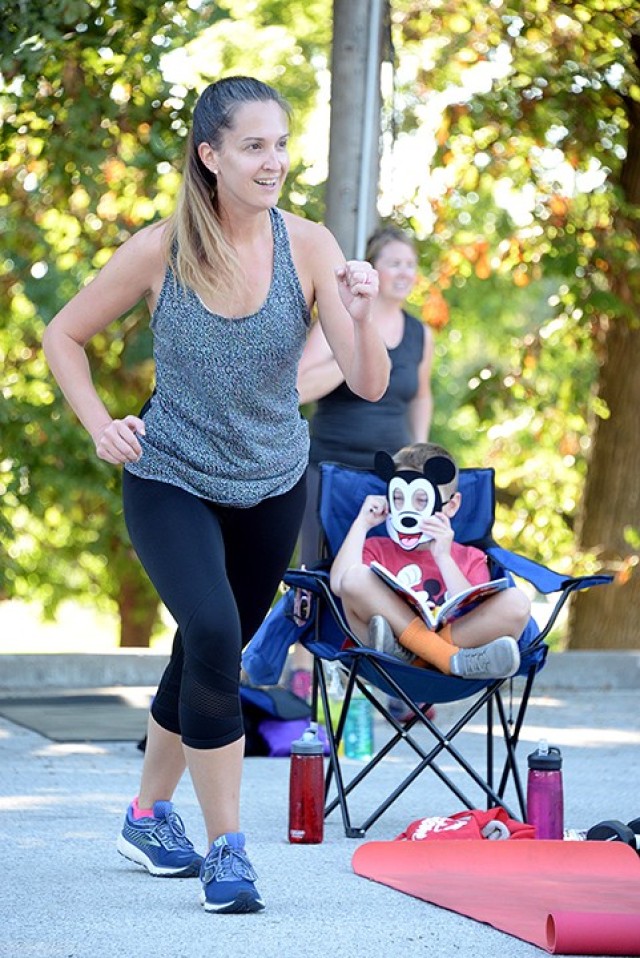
{"x": 543, "y": 746}
{"x": 310, "y": 734}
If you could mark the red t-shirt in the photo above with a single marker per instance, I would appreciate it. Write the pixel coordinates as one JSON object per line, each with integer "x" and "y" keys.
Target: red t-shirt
{"x": 471, "y": 562}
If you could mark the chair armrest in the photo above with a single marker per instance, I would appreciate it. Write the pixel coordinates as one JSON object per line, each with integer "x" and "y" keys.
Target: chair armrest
{"x": 544, "y": 579}
{"x": 315, "y": 580}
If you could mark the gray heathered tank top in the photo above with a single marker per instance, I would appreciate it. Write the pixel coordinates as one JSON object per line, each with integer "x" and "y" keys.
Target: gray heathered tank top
{"x": 223, "y": 422}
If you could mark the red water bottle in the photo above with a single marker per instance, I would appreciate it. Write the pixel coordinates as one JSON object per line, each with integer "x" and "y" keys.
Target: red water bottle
{"x": 545, "y": 802}
{"x": 306, "y": 789}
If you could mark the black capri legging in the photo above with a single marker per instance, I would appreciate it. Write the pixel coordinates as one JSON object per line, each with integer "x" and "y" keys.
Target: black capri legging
{"x": 217, "y": 570}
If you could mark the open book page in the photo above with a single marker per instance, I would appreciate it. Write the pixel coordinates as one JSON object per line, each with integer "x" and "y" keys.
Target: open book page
{"x": 417, "y": 601}
{"x": 464, "y": 602}
{"x": 454, "y": 608}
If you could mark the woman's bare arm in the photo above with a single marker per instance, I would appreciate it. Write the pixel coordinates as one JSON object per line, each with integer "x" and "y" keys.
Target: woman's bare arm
{"x": 134, "y": 272}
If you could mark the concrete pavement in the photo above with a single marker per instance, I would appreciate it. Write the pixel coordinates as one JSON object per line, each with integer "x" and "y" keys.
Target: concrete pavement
{"x": 67, "y": 894}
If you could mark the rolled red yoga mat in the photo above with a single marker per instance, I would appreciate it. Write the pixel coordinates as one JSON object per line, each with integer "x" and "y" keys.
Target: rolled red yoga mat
{"x": 570, "y": 898}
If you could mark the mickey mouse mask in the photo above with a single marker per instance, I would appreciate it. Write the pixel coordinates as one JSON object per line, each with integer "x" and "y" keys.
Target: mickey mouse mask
{"x": 412, "y": 496}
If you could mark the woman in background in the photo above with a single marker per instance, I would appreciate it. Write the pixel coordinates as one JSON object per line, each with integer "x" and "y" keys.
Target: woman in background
{"x": 348, "y": 429}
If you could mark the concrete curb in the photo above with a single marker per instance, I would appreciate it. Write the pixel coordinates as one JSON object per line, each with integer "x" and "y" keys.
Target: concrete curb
{"x": 80, "y": 670}
{"x": 563, "y": 670}
{"x": 590, "y": 670}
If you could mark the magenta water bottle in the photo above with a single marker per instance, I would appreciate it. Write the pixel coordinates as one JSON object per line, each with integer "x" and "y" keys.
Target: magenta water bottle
{"x": 306, "y": 789}
{"x": 545, "y": 802}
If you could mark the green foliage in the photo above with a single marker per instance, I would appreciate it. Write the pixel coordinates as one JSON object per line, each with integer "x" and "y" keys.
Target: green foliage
{"x": 525, "y": 216}
{"x": 91, "y": 140}
{"x": 534, "y": 239}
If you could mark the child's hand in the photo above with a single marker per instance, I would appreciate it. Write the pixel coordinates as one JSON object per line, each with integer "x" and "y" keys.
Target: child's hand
{"x": 374, "y": 510}
{"x": 439, "y": 528}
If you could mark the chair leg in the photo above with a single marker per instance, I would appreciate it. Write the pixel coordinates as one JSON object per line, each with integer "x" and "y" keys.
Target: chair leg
{"x": 427, "y": 758}
{"x": 512, "y": 738}
{"x": 335, "y": 737}
{"x": 489, "y": 776}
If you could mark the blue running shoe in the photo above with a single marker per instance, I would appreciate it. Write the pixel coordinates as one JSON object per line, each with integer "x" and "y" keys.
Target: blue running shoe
{"x": 228, "y": 880}
{"x": 159, "y": 843}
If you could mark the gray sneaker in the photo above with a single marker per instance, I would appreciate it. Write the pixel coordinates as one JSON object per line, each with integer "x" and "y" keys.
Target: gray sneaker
{"x": 496, "y": 660}
{"x": 381, "y": 638}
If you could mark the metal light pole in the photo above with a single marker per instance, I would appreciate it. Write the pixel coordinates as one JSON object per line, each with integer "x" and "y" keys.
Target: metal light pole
{"x": 354, "y": 132}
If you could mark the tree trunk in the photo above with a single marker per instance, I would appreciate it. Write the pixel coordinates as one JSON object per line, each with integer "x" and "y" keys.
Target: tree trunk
{"x": 354, "y": 133}
{"x": 607, "y": 617}
{"x": 138, "y": 607}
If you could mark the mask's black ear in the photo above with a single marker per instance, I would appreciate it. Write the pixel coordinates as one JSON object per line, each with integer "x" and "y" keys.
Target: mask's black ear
{"x": 439, "y": 471}
{"x": 384, "y": 465}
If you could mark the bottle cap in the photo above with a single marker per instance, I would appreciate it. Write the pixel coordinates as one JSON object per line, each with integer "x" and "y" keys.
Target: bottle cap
{"x": 545, "y": 758}
{"x": 309, "y": 742}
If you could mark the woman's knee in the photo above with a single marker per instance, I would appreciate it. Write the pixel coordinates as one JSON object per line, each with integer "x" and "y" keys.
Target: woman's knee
{"x": 210, "y": 713}
{"x": 212, "y": 632}
{"x": 210, "y": 709}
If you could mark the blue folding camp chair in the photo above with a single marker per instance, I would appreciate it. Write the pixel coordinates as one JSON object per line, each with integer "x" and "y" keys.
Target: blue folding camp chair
{"x": 328, "y": 637}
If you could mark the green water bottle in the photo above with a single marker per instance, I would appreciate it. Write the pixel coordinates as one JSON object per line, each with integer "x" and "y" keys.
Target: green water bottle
{"x": 358, "y": 727}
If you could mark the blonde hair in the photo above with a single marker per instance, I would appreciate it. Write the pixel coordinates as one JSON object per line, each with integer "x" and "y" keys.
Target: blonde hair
{"x": 196, "y": 248}
{"x": 418, "y": 453}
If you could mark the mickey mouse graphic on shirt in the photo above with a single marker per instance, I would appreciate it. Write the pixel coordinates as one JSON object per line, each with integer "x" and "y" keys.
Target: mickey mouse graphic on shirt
{"x": 412, "y": 497}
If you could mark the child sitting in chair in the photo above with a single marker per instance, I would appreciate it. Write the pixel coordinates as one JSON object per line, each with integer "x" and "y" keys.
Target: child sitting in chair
{"x": 423, "y": 497}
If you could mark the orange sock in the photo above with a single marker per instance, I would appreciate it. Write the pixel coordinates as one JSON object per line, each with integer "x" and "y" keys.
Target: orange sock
{"x": 435, "y": 648}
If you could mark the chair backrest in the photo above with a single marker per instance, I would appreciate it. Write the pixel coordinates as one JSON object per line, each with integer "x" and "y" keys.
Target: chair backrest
{"x": 343, "y": 490}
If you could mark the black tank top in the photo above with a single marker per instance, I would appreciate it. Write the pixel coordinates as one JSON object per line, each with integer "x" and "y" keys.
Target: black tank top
{"x": 350, "y": 430}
